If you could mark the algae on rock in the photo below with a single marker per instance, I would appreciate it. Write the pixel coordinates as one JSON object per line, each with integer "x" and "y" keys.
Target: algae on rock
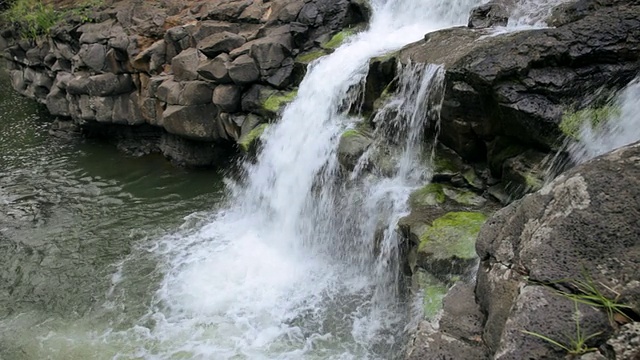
{"x": 248, "y": 141}
{"x": 452, "y": 235}
{"x": 278, "y": 100}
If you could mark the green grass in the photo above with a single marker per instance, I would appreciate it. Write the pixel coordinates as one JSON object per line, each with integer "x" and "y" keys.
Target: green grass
{"x": 35, "y": 18}
{"x": 590, "y": 294}
{"x": 575, "y": 344}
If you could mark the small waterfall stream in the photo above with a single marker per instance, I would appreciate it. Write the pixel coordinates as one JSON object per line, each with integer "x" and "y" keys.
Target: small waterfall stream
{"x": 289, "y": 269}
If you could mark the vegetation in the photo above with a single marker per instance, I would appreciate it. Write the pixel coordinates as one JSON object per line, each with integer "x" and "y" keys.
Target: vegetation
{"x": 572, "y": 123}
{"x": 247, "y": 142}
{"x": 35, "y": 17}
{"x": 337, "y": 39}
{"x": 453, "y": 235}
{"x": 276, "y": 101}
{"x": 310, "y": 56}
{"x": 577, "y": 344}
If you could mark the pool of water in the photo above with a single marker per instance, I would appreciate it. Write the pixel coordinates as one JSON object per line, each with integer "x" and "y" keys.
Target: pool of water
{"x": 75, "y": 215}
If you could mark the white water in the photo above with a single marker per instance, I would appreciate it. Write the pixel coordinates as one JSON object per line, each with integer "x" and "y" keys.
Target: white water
{"x": 528, "y": 15}
{"x": 289, "y": 269}
{"x": 620, "y": 129}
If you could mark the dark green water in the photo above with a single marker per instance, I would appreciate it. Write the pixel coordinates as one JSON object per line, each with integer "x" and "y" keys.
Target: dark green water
{"x": 72, "y": 213}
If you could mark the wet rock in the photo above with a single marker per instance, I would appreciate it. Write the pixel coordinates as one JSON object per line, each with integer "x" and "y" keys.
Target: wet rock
{"x": 353, "y": 144}
{"x": 488, "y": 15}
{"x": 190, "y": 153}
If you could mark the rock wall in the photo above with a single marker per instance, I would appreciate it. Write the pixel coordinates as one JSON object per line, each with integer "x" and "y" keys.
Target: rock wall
{"x": 201, "y": 74}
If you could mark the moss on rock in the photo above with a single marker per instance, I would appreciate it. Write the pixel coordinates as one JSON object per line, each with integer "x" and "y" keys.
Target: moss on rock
{"x": 277, "y": 100}
{"x": 429, "y": 195}
{"x": 248, "y": 141}
{"x": 452, "y": 235}
{"x": 572, "y": 122}
{"x": 433, "y": 292}
{"x": 310, "y": 56}
{"x": 337, "y": 39}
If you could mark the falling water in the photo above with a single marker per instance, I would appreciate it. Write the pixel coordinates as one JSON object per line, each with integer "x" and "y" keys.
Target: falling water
{"x": 302, "y": 261}
{"x": 620, "y": 127}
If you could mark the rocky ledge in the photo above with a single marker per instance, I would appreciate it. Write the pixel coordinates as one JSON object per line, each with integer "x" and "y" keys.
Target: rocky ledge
{"x": 196, "y": 79}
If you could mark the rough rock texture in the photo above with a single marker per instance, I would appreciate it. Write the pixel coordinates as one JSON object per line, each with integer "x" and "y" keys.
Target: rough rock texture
{"x": 181, "y": 66}
{"x": 507, "y": 94}
{"x": 581, "y": 228}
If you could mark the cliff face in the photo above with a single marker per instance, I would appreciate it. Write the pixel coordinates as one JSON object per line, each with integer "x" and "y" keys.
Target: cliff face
{"x": 196, "y": 78}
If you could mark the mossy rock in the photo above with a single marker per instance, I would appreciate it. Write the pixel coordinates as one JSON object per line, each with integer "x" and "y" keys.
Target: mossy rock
{"x": 573, "y": 122}
{"x": 436, "y": 194}
{"x": 353, "y": 143}
{"x": 248, "y": 142}
{"x": 278, "y": 100}
{"x": 429, "y": 195}
{"x": 308, "y": 57}
{"x": 337, "y": 39}
{"x": 447, "y": 246}
{"x": 432, "y": 292}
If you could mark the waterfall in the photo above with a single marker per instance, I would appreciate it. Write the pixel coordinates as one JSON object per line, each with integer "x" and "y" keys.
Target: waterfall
{"x": 609, "y": 127}
{"x": 302, "y": 262}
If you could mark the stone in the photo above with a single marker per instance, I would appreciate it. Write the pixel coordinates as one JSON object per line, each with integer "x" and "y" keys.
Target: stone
{"x": 352, "y": 145}
{"x": 488, "y": 15}
{"x": 93, "y": 56}
{"x": 152, "y": 58}
{"x": 216, "y": 70}
{"x": 57, "y": 103}
{"x": 107, "y": 84}
{"x": 190, "y": 153}
{"x": 197, "y": 122}
{"x": 169, "y": 91}
{"x": 269, "y": 53}
{"x": 227, "y": 97}
{"x": 219, "y": 43}
{"x": 185, "y": 65}
{"x": 243, "y": 70}
{"x": 195, "y": 93}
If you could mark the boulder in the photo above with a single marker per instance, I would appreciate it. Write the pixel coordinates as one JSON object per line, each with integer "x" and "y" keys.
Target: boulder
{"x": 185, "y": 65}
{"x": 227, "y": 97}
{"x": 243, "y": 70}
{"x": 217, "y": 69}
{"x": 352, "y": 145}
{"x": 488, "y": 15}
{"x": 195, "y": 93}
{"x": 197, "y": 122}
{"x": 219, "y": 43}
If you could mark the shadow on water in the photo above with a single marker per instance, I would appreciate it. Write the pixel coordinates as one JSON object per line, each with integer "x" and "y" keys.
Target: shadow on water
{"x": 71, "y": 213}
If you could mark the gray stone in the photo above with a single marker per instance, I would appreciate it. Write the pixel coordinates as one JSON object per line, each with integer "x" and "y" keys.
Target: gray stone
{"x": 108, "y": 84}
{"x": 217, "y": 69}
{"x": 126, "y": 110}
{"x": 185, "y": 65}
{"x": 93, "y": 56}
{"x": 195, "y": 93}
{"x": 351, "y": 147}
{"x": 243, "y": 70}
{"x": 219, "y": 43}
{"x": 227, "y": 97}
{"x": 57, "y": 103}
{"x": 169, "y": 91}
{"x": 269, "y": 53}
{"x": 626, "y": 343}
{"x": 488, "y": 15}
{"x": 189, "y": 153}
{"x": 151, "y": 59}
{"x": 197, "y": 122}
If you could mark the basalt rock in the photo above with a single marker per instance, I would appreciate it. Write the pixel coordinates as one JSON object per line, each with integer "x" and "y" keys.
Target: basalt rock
{"x": 182, "y": 67}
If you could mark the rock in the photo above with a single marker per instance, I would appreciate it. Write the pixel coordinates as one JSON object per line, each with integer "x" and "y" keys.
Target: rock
{"x": 152, "y": 58}
{"x": 217, "y": 69}
{"x": 197, "y": 122}
{"x": 626, "y": 343}
{"x": 266, "y": 101}
{"x": 185, "y": 65}
{"x": 92, "y": 56}
{"x": 243, "y": 70}
{"x": 447, "y": 246}
{"x": 269, "y": 53}
{"x": 227, "y": 97}
{"x": 524, "y": 173}
{"x": 190, "y": 153}
{"x": 219, "y": 43}
{"x": 488, "y": 15}
{"x": 249, "y": 142}
{"x": 108, "y": 84}
{"x": 195, "y": 93}
{"x": 169, "y": 91}
{"x": 352, "y": 145}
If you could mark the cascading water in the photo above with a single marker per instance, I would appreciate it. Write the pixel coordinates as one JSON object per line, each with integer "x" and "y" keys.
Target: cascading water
{"x": 290, "y": 269}
{"x": 618, "y": 125}
{"x": 302, "y": 261}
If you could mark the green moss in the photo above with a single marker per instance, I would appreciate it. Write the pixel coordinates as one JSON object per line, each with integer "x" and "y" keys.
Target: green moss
{"x": 276, "y": 101}
{"x": 464, "y": 197}
{"x": 337, "y": 39}
{"x": 433, "y": 292}
{"x": 532, "y": 182}
{"x": 310, "y": 56}
{"x": 573, "y": 122}
{"x": 452, "y": 235}
{"x": 430, "y": 195}
{"x": 247, "y": 141}
{"x": 350, "y": 133}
